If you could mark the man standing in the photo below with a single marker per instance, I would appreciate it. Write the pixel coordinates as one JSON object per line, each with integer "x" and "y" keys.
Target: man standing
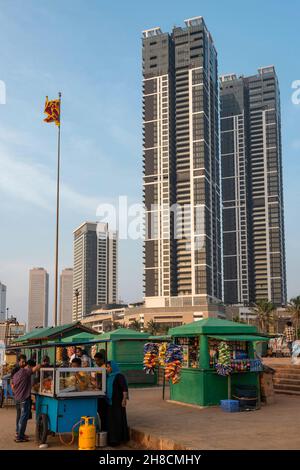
{"x": 290, "y": 335}
{"x": 21, "y": 386}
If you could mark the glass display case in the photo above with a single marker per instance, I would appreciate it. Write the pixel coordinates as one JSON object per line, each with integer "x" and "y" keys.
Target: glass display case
{"x": 239, "y": 354}
{"x": 73, "y": 381}
{"x": 46, "y": 385}
{"x": 190, "y": 350}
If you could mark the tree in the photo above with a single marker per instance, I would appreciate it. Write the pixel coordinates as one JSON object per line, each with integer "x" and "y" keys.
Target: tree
{"x": 152, "y": 327}
{"x": 236, "y": 319}
{"x": 116, "y": 325}
{"x": 264, "y": 311}
{"x": 294, "y": 309}
{"x": 135, "y": 325}
{"x": 164, "y": 329}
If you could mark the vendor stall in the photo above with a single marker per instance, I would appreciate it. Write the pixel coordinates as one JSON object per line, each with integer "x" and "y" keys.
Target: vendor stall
{"x": 63, "y": 395}
{"x": 46, "y": 336}
{"x": 126, "y": 346}
{"x": 218, "y": 362}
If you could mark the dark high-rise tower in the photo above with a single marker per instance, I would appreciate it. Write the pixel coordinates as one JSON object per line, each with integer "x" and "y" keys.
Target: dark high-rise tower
{"x": 183, "y": 263}
{"x": 95, "y": 267}
{"x": 253, "y": 213}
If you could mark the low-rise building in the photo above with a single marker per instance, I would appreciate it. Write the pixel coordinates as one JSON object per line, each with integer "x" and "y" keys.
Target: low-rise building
{"x": 10, "y": 330}
{"x": 103, "y": 318}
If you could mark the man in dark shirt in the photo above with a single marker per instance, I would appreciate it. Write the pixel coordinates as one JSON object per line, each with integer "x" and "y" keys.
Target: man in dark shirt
{"x": 21, "y": 386}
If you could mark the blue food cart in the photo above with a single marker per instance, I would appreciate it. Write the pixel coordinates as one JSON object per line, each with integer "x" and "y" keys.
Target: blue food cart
{"x": 64, "y": 396}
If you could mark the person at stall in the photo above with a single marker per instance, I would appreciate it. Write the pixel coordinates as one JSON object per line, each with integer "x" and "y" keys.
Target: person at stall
{"x": 46, "y": 362}
{"x": 82, "y": 354}
{"x": 116, "y": 398}
{"x": 290, "y": 335}
{"x": 99, "y": 360}
{"x": 81, "y": 379}
{"x": 77, "y": 354}
{"x": 85, "y": 361}
{"x": 76, "y": 362}
{"x": 21, "y": 387}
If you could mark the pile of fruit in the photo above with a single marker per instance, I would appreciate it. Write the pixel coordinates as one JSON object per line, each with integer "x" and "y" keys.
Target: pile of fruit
{"x": 223, "y": 365}
{"x": 173, "y": 362}
{"x": 150, "y": 357}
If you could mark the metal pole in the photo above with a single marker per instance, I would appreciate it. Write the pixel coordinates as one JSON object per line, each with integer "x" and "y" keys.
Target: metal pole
{"x": 57, "y": 220}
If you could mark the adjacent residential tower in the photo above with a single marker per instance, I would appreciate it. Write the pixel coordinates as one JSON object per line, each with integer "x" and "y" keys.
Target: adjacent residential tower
{"x": 253, "y": 212}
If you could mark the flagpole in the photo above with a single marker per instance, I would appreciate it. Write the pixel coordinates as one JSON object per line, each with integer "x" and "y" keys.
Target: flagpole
{"x": 57, "y": 219}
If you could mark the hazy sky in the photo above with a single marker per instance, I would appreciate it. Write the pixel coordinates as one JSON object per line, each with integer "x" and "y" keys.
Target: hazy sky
{"x": 91, "y": 51}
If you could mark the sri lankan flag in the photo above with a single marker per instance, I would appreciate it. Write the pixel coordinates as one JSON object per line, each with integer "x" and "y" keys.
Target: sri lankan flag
{"x": 52, "y": 109}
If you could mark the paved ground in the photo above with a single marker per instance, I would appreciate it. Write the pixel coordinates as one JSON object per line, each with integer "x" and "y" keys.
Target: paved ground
{"x": 7, "y": 429}
{"x": 272, "y": 427}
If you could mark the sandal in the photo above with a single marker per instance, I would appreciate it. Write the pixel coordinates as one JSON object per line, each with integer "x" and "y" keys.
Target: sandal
{"x": 21, "y": 440}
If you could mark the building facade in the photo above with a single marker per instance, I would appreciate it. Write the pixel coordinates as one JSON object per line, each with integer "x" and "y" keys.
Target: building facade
{"x": 95, "y": 268}
{"x": 66, "y": 296}
{"x": 10, "y": 330}
{"x": 183, "y": 262}
{"x": 109, "y": 317}
{"x": 253, "y": 212}
{"x": 38, "y": 298}
{"x": 2, "y": 302}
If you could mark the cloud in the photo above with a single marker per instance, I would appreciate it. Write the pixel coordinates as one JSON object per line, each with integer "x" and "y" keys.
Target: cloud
{"x": 27, "y": 181}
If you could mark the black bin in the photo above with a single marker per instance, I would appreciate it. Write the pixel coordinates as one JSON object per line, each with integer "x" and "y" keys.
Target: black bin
{"x": 247, "y": 396}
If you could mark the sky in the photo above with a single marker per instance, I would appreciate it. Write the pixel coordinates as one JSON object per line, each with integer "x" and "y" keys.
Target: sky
{"x": 91, "y": 52}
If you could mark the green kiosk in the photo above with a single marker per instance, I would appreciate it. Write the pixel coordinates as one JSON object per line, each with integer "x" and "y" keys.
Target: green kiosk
{"x": 200, "y": 384}
{"x": 126, "y": 347}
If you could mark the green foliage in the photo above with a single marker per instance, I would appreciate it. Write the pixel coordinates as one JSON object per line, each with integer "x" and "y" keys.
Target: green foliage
{"x": 265, "y": 314}
{"x": 294, "y": 310}
{"x": 152, "y": 327}
{"x": 135, "y": 325}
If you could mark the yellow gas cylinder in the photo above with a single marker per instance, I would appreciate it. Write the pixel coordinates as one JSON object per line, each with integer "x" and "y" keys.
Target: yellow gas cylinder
{"x": 87, "y": 434}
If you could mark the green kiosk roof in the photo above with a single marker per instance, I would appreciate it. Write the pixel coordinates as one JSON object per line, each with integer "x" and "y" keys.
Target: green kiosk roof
{"x": 83, "y": 336}
{"x": 209, "y": 326}
{"x": 240, "y": 337}
{"x": 123, "y": 333}
{"x": 52, "y": 332}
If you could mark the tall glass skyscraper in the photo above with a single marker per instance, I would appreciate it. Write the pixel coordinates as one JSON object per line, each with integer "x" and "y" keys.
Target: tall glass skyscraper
{"x": 183, "y": 262}
{"x": 253, "y": 212}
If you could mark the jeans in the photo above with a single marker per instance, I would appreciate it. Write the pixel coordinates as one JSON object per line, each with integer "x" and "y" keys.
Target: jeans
{"x": 290, "y": 346}
{"x": 23, "y": 412}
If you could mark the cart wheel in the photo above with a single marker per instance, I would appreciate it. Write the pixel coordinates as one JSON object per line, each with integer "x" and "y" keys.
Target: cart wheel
{"x": 42, "y": 428}
{"x": 1, "y": 397}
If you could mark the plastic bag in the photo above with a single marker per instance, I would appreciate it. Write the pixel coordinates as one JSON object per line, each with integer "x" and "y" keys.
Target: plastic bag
{"x": 296, "y": 353}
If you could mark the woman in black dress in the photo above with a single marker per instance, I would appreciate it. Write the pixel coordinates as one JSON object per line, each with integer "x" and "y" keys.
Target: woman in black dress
{"x": 116, "y": 397}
